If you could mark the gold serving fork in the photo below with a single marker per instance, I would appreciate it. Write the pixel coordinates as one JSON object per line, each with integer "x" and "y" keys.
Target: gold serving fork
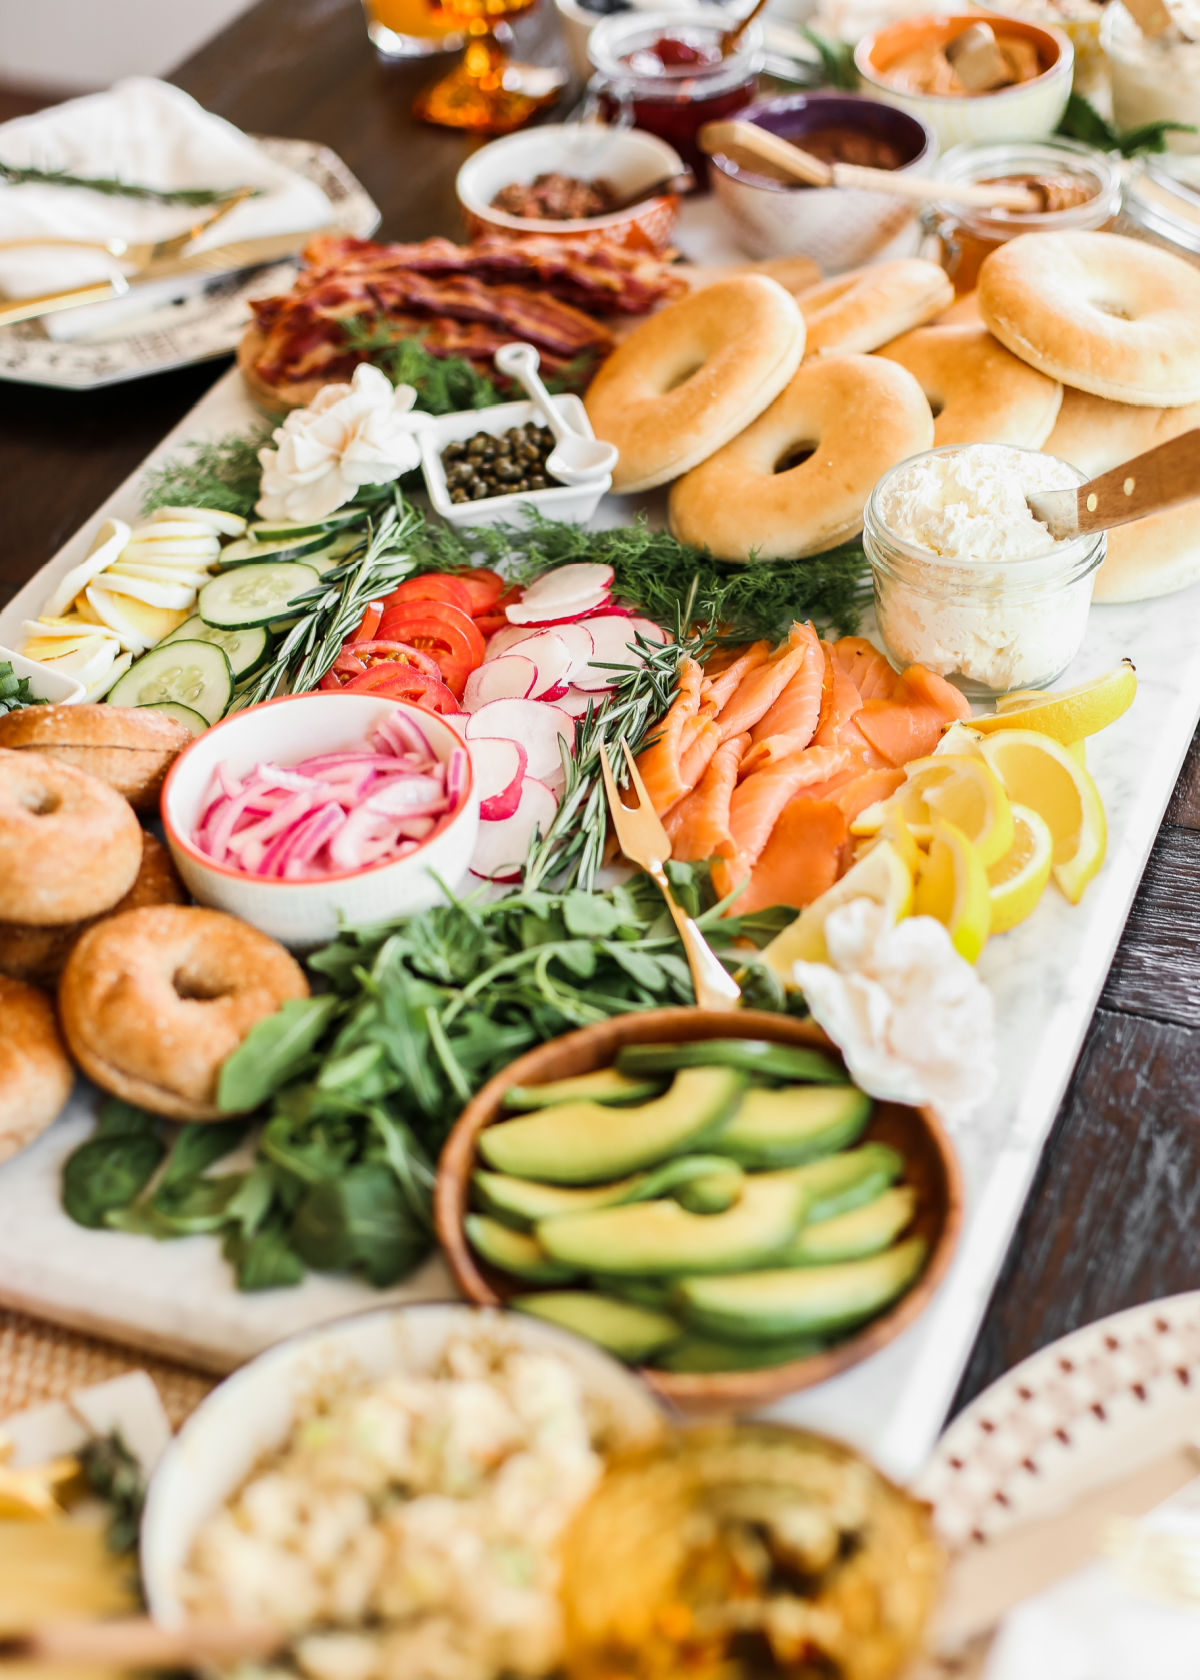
{"x": 643, "y": 839}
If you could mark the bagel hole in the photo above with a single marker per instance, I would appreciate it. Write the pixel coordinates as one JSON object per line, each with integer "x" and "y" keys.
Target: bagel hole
{"x": 936, "y": 404}
{"x": 40, "y": 802}
{"x": 196, "y": 988}
{"x": 681, "y": 378}
{"x": 1116, "y": 310}
{"x": 794, "y": 455}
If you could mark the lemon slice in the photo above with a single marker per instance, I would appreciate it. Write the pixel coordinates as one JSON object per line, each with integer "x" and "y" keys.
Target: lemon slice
{"x": 1017, "y": 882}
{"x": 1041, "y": 773}
{"x": 965, "y": 792}
{"x": 881, "y": 875}
{"x": 960, "y": 738}
{"x": 1069, "y": 713}
{"x": 896, "y": 832}
{"x": 953, "y": 888}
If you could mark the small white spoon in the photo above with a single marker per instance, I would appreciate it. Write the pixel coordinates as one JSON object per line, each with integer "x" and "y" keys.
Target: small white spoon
{"x": 574, "y": 459}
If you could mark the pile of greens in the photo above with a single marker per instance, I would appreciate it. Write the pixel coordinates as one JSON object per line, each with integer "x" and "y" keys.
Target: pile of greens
{"x": 359, "y": 1086}
{"x": 15, "y": 691}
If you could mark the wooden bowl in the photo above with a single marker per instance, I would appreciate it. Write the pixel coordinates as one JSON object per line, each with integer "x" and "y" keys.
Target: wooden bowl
{"x": 932, "y": 1170}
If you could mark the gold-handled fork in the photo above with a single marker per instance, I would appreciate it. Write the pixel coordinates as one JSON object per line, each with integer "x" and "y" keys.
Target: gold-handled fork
{"x": 643, "y": 839}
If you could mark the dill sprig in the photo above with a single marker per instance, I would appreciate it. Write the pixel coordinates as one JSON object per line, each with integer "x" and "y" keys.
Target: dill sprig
{"x": 222, "y": 474}
{"x": 444, "y": 384}
{"x": 24, "y": 175}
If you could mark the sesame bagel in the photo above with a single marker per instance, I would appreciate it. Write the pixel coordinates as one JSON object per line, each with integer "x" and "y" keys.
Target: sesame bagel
{"x": 129, "y": 747}
{"x": 70, "y": 846}
{"x": 35, "y": 1074}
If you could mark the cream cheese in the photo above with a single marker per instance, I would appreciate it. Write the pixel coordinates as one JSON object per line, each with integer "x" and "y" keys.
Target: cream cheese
{"x": 969, "y": 504}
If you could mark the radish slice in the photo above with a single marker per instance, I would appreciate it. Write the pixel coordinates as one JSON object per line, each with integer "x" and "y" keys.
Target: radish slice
{"x": 503, "y": 641}
{"x": 614, "y": 641}
{"x": 534, "y": 725}
{"x": 564, "y": 612}
{"x": 510, "y": 678}
{"x": 499, "y": 771}
{"x": 551, "y": 656}
{"x": 576, "y": 701}
{"x": 502, "y": 847}
{"x": 565, "y": 583}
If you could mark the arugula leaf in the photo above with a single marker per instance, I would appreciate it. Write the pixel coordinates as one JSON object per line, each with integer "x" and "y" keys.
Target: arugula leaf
{"x": 198, "y": 1147}
{"x": 277, "y": 1049}
{"x": 15, "y": 691}
{"x": 263, "y": 1259}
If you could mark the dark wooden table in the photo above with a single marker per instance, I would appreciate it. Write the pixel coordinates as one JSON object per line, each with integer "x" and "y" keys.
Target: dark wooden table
{"x": 1114, "y": 1217}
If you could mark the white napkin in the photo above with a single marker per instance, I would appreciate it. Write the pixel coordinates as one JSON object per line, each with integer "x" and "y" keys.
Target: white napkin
{"x": 147, "y": 132}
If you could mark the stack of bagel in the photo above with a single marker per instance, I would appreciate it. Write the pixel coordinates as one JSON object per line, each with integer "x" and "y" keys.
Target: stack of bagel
{"x": 772, "y": 404}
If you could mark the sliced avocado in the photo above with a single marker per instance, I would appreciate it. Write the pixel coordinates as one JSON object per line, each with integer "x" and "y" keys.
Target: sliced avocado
{"x": 606, "y": 1085}
{"x": 712, "y": 1192}
{"x": 806, "y": 1300}
{"x": 513, "y": 1251}
{"x": 653, "y": 1239}
{"x": 838, "y": 1183}
{"x": 752, "y": 1055}
{"x": 643, "y": 1292}
{"x": 700, "y": 1355}
{"x": 852, "y": 1236}
{"x": 520, "y": 1202}
{"x": 627, "y": 1331}
{"x": 795, "y": 1123}
{"x": 584, "y": 1142}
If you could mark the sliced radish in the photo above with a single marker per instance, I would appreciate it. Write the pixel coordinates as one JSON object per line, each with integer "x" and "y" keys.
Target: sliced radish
{"x": 553, "y": 657}
{"x": 502, "y": 847}
{"x": 510, "y": 678}
{"x": 499, "y": 768}
{"x": 534, "y": 725}
{"x": 565, "y": 593}
{"x": 565, "y": 612}
{"x": 503, "y": 641}
{"x": 615, "y": 642}
{"x": 576, "y": 701}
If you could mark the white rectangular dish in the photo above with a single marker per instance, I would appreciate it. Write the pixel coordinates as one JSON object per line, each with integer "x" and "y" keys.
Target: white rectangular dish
{"x": 574, "y": 503}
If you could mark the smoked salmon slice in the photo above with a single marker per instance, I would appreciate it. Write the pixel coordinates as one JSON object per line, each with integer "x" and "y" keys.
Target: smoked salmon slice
{"x": 788, "y": 724}
{"x": 802, "y": 859}
{"x": 844, "y": 701}
{"x": 697, "y": 754}
{"x": 726, "y": 669}
{"x": 910, "y": 723}
{"x": 659, "y": 763}
{"x": 761, "y": 687}
{"x": 866, "y": 667}
{"x": 761, "y": 796}
{"x": 698, "y": 826}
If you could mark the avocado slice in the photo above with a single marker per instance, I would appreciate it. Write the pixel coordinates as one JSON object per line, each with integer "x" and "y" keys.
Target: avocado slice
{"x": 852, "y": 1236}
{"x": 805, "y": 1300}
{"x": 837, "y": 1183}
{"x": 521, "y": 1202}
{"x": 755, "y": 1056}
{"x": 629, "y": 1332}
{"x": 606, "y": 1085}
{"x": 650, "y": 1239}
{"x": 795, "y": 1123}
{"x": 700, "y": 1355}
{"x": 712, "y": 1192}
{"x": 584, "y": 1142}
{"x": 643, "y": 1292}
{"x": 513, "y": 1251}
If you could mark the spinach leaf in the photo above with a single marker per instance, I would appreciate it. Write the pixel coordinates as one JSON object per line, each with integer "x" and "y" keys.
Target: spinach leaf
{"x": 264, "y": 1259}
{"x": 107, "y": 1174}
{"x": 198, "y": 1146}
{"x": 118, "y": 1119}
{"x": 277, "y": 1049}
{"x": 360, "y": 1221}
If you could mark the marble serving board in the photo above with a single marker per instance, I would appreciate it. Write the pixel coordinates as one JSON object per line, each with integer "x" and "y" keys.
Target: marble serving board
{"x": 179, "y": 1299}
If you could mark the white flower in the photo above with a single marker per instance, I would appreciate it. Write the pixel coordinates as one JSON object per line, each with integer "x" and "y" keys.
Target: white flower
{"x": 912, "y": 1018}
{"x": 348, "y": 436}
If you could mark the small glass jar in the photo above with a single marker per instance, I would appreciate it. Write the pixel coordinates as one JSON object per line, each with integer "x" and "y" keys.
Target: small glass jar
{"x": 1154, "y": 78}
{"x": 673, "y": 94}
{"x": 1162, "y": 206}
{"x": 993, "y": 625}
{"x": 968, "y": 236}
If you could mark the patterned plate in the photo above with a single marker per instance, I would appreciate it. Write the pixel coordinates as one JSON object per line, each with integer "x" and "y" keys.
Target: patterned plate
{"x": 197, "y": 328}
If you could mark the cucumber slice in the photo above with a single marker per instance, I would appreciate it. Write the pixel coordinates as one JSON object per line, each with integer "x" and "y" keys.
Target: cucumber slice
{"x": 277, "y": 530}
{"x": 192, "y": 674}
{"x": 253, "y": 595}
{"x": 244, "y": 649}
{"x": 182, "y": 714}
{"x": 247, "y": 550}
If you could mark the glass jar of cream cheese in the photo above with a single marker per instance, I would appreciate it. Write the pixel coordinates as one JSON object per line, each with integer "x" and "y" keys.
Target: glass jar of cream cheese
{"x": 967, "y": 581}
{"x": 1155, "y": 78}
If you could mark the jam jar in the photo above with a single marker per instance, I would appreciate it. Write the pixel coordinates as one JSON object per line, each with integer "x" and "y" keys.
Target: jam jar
{"x": 663, "y": 72}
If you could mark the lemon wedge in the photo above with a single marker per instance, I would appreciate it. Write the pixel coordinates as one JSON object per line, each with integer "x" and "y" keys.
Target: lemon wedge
{"x": 896, "y": 832}
{"x": 953, "y": 888}
{"x": 881, "y": 875}
{"x": 965, "y": 792}
{"x": 1041, "y": 773}
{"x": 1068, "y": 713}
{"x": 960, "y": 738}
{"x": 1017, "y": 882}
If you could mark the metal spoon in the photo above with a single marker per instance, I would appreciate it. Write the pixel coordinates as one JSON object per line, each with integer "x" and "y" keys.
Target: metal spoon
{"x": 575, "y": 459}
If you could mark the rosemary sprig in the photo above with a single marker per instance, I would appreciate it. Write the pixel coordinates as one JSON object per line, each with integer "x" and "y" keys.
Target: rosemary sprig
{"x": 25, "y": 175}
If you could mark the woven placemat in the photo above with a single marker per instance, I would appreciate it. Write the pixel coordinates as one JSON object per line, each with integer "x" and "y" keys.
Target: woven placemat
{"x": 40, "y": 1362}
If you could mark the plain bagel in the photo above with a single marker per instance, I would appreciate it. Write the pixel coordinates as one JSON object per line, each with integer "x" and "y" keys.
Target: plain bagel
{"x": 851, "y": 417}
{"x": 129, "y": 747}
{"x": 153, "y": 1001}
{"x": 979, "y": 391}
{"x": 35, "y": 1074}
{"x": 1099, "y": 312}
{"x": 70, "y": 846}
{"x": 693, "y": 375}
{"x": 867, "y": 307}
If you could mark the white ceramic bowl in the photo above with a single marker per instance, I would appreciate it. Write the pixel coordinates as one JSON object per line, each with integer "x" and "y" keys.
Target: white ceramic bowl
{"x": 44, "y": 683}
{"x": 627, "y": 157}
{"x": 1027, "y": 111}
{"x": 252, "y": 1413}
{"x": 573, "y": 503}
{"x": 307, "y": 913}
{"x": 577, "y": 25}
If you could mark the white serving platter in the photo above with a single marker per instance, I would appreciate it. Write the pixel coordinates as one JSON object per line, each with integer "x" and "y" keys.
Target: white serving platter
{"x": 178, "y": 1298}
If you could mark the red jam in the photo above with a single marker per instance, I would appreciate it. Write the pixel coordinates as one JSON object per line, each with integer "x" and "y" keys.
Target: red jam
{"x": 675, "y": 84}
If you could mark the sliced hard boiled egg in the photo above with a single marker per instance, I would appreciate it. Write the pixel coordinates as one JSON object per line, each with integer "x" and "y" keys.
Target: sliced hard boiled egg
{"x": 99, "y": 687}
{"x": 155, "y": 594}
{"x": 227, "y": 524}
{"x": 88, "y": 662}
{"x": 193, "y": 576}
{"x": 45, "y": 629}
{"x": 138, "y": 625}
{"x": 193, "y": 548}
{"x": 171, "y": 530}
{"x": 110, "y": 540}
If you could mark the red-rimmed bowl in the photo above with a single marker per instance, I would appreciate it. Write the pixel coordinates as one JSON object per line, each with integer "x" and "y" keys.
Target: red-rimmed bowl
{"x": 303, "y": 914}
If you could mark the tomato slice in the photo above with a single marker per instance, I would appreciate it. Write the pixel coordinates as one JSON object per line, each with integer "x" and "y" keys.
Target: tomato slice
{"x": 448, "y": 636}
{"x": 403, "y": 682}
{"x": 357, "y": 657}
{"x": 485, "y": 588}
{"x": 370, "y": 622}
{"x": 488, "y": 623}
{"x": 434, "y": 586}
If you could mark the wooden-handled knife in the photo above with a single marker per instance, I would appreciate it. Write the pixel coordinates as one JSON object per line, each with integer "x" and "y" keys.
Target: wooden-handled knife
{"x": 1167, "y": 474}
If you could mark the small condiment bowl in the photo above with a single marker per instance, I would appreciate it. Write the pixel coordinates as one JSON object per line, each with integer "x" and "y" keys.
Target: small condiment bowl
{"x": 44, "y": 682}
{"x": 931, "y": 1168}
{"x": 628, "y": 157}
{"x": 575, "y": 503}
{"x": 303, "y": 914}
{"x": 253, "y": 1412}
{"x": 1029, "y": 109}
{"x": 838, "y": 227}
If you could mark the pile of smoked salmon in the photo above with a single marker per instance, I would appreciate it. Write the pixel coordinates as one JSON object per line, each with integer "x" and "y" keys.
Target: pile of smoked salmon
{"x": 767, "y": 755}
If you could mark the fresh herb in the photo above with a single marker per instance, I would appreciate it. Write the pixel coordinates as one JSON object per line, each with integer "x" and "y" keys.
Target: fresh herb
{"x": 1081, "y": 121}
{"x": 21, "y": 175}
{"x": 115, "y": 1476}
{"x": 444, "y": 384}
{"x": 15, "y": 691}
{"x": 836, "y": 59}
{"x": 110, "y": 1170}
{"x": 224, "y": 474}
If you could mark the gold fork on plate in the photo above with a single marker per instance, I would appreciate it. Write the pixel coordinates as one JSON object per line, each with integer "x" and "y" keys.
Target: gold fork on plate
{"x": 643, "y": 839}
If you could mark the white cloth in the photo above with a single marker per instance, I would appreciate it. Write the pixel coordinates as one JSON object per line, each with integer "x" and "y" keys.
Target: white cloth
{"x": 150, "y": 133}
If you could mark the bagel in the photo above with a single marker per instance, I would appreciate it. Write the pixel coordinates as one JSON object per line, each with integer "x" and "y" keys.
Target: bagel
{"x": 964, "y": 309}
{"x": 867, "y": 307}
{"x": 129, "y": 747}
{"x": 153, "y": 1001}
{"x": 694, "y": 375}
{"x": 979, "y": 391}
{"x": 70, "y": 846}
{"x": 856, "y": 416}
{"x": 37, "y": 954}
{"x": 1104, "y": 314}
{"x": 35, "y": 1074}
